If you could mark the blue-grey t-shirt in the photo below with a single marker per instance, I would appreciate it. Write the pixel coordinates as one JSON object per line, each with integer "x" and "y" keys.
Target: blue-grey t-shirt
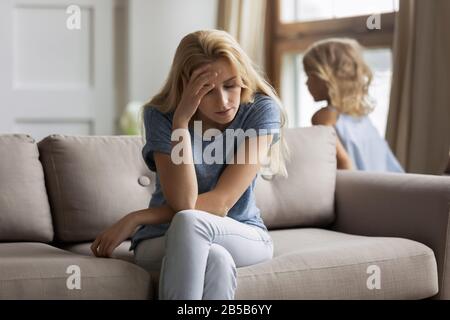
{"x": 262, "y": 115}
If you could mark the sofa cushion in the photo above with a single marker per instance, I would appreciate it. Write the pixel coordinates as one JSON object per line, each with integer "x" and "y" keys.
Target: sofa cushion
{"x": 152, "y": 266}
{"x": 40, "y": 271}
{"x": 24, "y": 208}
{"x": 312, "y": 263}
{"x": 122, "y": 252}
{"x": 93, "y": 181}
{"x": 306, "y": 197}
{"x": 320, "y": 264}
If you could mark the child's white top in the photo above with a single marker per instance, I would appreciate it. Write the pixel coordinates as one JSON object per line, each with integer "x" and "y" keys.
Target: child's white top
{"x": 367, "y": 149}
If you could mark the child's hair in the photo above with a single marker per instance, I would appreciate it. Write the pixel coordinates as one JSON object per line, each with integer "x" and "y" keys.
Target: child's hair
{"x": 205, "y": 46}
{"x": 340, "y": 64}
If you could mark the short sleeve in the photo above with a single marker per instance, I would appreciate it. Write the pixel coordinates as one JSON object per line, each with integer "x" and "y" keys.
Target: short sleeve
{"x": 264, "y": 117}
{"x": 158, "y": 131}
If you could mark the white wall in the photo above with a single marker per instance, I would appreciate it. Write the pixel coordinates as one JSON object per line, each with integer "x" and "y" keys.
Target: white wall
{"x": 82, "y": 80}
{"x": 53, "y": 78}
{"x": 156, "y": 28}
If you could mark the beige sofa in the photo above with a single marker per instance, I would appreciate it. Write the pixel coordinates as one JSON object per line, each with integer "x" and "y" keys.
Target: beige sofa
{"x": 336, "y": 234}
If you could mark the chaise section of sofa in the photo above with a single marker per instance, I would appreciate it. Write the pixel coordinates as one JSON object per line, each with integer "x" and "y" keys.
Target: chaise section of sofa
{"x": 410, "y": 206}
{"x": 316, "y": 263}
{"x": 31, "y": 267}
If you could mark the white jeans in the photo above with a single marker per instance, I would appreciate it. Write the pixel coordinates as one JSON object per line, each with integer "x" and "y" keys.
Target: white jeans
{"x": 202, "y": 252}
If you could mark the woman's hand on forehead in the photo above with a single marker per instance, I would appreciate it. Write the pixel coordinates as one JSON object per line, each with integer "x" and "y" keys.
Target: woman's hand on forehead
{"x": 201, "y": 81}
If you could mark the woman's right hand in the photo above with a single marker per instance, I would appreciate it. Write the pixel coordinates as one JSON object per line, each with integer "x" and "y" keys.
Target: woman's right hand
{"x": 193, "y": 92}
{"x": 111, "y": 238}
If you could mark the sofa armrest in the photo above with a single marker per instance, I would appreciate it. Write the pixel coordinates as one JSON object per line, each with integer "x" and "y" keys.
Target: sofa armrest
{"x": 410, "y": 206}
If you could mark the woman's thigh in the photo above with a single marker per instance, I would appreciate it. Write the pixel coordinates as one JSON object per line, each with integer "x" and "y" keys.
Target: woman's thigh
{"x": 247, "y": 244}
{"x": 149, "y": 253}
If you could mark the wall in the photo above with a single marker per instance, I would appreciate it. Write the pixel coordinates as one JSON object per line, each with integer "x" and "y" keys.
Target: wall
{"x": 155, "y": 29}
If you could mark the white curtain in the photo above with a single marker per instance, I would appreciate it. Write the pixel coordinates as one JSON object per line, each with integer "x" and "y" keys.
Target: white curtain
{"x": 245, "y": 21}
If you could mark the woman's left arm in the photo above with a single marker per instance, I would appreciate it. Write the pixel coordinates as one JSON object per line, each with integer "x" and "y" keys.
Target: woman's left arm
{"x": 237, "y": 177}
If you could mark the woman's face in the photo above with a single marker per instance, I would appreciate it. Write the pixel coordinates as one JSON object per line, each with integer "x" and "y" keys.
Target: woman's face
{"x": 317, "y": 87}
{"x": 220, "y": 105}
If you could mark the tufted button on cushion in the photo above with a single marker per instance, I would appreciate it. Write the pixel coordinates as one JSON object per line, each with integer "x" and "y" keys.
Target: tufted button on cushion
{"x": 144, "y": 181}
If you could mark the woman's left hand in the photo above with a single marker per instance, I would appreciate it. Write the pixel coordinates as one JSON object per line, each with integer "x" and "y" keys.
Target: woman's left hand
{"x": 111, "y": 238}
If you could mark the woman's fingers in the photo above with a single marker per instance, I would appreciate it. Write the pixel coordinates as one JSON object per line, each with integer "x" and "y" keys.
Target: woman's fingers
{"x": 100, "y": 248}
{"x": 197, "y": 72}
{"x": 193, "y": 92}
{"x": 205, "y": 90}
{"x": 194, "y": 83}
{"x": 200, "y": 74}
{"x": 94, "y": 246}
{"x": 103, "y": 246}
{"x": 204, "y": 80}
{"x": 110, "y": 249}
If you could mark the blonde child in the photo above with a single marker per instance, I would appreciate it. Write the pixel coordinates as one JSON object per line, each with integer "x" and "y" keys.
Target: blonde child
{"x": 338, "y": 74}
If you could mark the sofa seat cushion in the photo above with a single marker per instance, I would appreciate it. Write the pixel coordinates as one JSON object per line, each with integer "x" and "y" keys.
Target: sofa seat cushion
{"x": 121, "y": 252}
{"x": 321, "y": 264}
{"x": 84, "y": 248}
{"x": 39, "y": 271}
{"x": 314, "y": 263}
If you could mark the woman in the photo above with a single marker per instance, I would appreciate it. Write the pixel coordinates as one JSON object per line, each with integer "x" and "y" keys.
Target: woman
{"x": 205, "y": 211}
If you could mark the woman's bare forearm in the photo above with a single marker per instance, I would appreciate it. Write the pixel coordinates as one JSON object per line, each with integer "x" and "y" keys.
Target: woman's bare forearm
{"x": 154, "y": 215}
{"x": 186, "y": 179}
{"x": 210, "y": 202}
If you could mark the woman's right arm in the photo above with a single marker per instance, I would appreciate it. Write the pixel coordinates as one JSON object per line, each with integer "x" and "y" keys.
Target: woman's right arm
{"x": 108, "y": 240}
{"x": 208, "y": 201}
{"x": 177, "y": 176}
{"x": 178, "y": 181}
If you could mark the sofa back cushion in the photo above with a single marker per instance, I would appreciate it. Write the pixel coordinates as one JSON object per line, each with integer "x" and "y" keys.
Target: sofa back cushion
{"x": 306, "y": 197}
{"x": 24, "y": 208}
{"x": 93, "y": 181}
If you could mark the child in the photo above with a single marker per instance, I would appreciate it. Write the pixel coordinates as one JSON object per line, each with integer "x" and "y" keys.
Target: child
{"x": 338, "y": 74}
{"x": 204, "y": 212}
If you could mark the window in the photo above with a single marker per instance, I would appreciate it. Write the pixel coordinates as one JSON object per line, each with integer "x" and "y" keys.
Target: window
{"x": 310, "y": 10}
{"x": 295, "y": 24}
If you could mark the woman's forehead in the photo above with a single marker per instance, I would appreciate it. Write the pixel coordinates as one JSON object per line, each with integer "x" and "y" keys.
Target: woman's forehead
{"x": 223, "y": 65}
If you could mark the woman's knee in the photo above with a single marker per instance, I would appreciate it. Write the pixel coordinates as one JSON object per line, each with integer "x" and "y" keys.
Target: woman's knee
{"x": 185, "y": 219}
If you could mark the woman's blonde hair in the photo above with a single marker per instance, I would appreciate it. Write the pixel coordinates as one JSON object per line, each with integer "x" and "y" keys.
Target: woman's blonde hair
{"x": 205, "y": 46}
{"x": 340, "y": 64}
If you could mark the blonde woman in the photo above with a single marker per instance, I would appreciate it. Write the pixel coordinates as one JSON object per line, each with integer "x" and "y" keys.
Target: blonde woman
{"x": 338, "y": 74}
{"x": 203, "y": 212}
